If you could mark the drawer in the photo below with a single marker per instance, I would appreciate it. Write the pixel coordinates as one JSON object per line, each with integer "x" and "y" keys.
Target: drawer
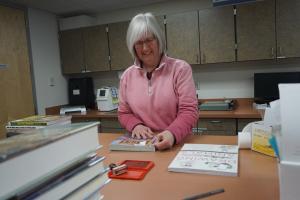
{"x": 111, "y": 125}
{"x": 217, "y": 126}
{"x": 84, "y": 119}
{"x": 243, "y": 122}
{"x": 112, "y": 130}
{"x": 219, "y": 132}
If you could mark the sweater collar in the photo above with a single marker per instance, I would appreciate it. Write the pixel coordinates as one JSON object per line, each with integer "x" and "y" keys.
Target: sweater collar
{"x": 137, "y": 63}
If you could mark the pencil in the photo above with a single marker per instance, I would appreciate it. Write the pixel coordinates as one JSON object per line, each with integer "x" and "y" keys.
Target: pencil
{"x": 206, "y": 194}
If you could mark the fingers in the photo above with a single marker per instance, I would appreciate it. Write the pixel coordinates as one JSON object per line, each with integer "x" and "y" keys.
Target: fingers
{"x": 142, "y": 132}
{"x": 165, "y": 140}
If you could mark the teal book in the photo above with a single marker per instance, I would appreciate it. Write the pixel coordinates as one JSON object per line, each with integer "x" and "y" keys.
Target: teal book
{"x": 28, "y": 158}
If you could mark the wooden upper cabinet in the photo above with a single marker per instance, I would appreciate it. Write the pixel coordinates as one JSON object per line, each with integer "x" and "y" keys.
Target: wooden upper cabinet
{"x": 160, "y": 20}
{"x": 288, "y": 28}
{"x": 183, "y": 36}
{"x": 217, "y": 42}
{"x": 71, "y": 47}
{"x": 84, "y": 50}
{"x": 96, "y": 52}
{"x": 256, "y": 31}
{"x": 119, "y": 54}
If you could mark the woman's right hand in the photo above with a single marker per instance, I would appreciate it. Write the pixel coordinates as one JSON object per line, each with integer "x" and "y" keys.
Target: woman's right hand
{"x": 140, "y": 131}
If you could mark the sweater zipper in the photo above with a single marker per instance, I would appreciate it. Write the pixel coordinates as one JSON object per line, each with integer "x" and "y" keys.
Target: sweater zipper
{"x": 149, "y": 87}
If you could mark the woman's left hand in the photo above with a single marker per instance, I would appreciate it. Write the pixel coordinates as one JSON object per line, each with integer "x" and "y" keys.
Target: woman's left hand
{"x": 165, "y": 140}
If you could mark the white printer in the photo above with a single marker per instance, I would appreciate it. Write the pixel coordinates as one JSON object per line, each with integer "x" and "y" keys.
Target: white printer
{"x": 107, "y": 98}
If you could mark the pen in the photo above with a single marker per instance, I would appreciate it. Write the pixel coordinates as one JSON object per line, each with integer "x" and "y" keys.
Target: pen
{"x": 206, "y": 194}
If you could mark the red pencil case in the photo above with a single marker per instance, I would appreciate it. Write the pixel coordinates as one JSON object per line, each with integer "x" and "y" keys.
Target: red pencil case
{"x": 136, "y": 170}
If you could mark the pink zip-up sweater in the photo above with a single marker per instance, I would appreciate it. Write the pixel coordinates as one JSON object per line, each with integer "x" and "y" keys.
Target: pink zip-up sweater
{"x": 165, "y": 102}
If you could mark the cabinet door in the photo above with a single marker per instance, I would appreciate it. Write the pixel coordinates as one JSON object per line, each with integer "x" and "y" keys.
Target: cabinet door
{"x": 161, "y": 22}
{"x": 119, "y": 54}
{"x": 71, "y": 46}
{"x": 183, "y": 36}
{"x": 216, "y": 27}
{"x": 16, "y": 99}
{"x": 288, "y": 28}
{"x": 96, "y": 52}
{"x": 256, "y": 31}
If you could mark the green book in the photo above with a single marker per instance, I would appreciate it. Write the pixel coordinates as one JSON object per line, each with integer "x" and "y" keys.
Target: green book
{"x": 40, "y": 120}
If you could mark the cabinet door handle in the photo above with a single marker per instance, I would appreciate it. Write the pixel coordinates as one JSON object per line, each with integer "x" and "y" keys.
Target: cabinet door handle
{"x": 215, "y": 121}
{"x": 280, "y": 53}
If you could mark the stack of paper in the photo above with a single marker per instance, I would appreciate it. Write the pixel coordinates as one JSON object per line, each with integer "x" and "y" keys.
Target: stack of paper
{"x": 289, "y": 166}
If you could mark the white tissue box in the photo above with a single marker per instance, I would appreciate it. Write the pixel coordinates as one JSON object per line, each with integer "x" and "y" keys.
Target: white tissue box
{"x": 289, "y": 180}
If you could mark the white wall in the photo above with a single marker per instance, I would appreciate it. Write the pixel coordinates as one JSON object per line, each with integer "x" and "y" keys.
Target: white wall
{"x": 235, "y": 80}
{"x": 50, "y": 85}
{"x": 214, "y": 80}
{"x": 223, "y": 80}
{"x": 163, "y": 8}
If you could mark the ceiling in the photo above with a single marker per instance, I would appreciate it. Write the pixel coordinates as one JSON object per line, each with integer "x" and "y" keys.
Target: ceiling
{"x": 76, "y": 7}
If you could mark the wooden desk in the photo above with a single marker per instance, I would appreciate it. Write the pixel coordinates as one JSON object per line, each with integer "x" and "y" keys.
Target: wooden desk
{"x": 243, "y": 109}
{"x": 228, "y": 121}
{"x": 257, "y": 180}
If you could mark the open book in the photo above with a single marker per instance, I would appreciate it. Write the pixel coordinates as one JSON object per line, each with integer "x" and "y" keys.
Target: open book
{"x": 206, "y": 158}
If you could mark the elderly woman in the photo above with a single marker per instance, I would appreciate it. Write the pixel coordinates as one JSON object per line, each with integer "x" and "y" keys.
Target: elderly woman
{"x": 157, "y": 93}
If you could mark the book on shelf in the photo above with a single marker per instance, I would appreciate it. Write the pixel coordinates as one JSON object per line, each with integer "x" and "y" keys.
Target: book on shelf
{"x": 67, "y": 181}
{"x": 40, "y": 120}
{"x": 128, "y": 143}
{"x": 260, "y": 139}
{"x": 27, "y": 159}
{"x": 210, "y": 159}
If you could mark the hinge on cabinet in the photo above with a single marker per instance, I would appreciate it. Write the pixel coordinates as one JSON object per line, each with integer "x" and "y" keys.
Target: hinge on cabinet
{"x": 234, "y": 11}
{"x": 165, "y": 21}
{"x": 235, "y": 46}
{"x": 106, "y": 28}
{"x": 109, "y": 58}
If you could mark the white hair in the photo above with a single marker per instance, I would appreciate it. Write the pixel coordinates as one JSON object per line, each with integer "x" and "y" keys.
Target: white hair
{"x": 140, "y": 26}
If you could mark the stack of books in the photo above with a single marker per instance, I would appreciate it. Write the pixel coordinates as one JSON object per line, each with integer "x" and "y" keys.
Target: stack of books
{"x": 53, "y": 163}
{"x": 28, "y": 124}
